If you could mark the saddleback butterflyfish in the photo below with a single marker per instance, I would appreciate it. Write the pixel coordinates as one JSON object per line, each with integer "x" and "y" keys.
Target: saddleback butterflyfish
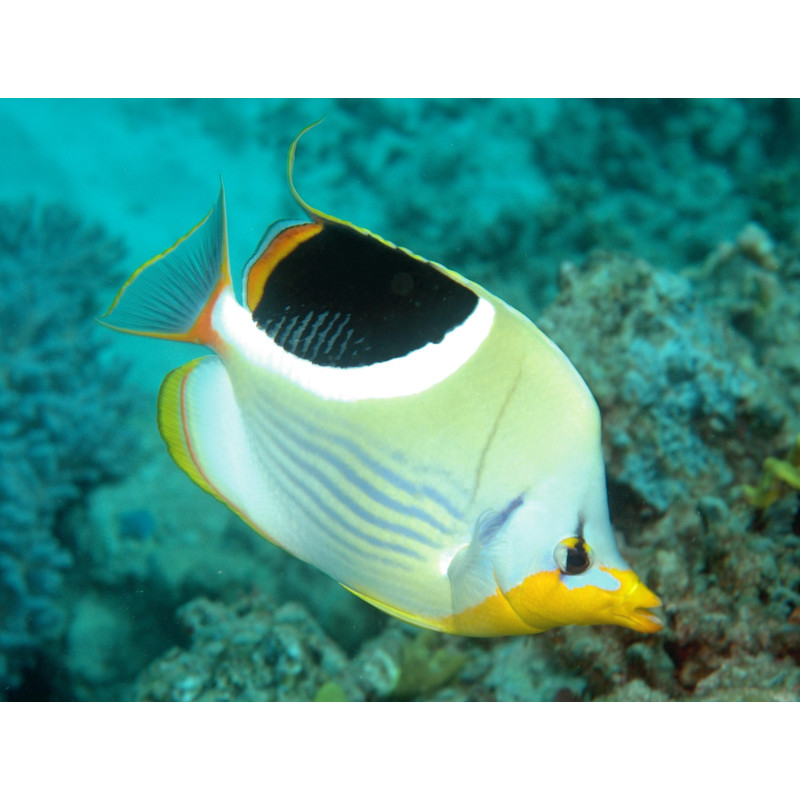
{"x": 391, "y": 422}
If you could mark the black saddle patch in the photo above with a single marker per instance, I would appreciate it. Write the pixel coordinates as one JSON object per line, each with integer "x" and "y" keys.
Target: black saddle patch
{"x": 343, "y": 298}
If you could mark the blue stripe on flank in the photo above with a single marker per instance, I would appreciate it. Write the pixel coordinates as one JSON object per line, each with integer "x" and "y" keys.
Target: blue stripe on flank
{"x": 367, "y": 488}
{"x": 313, "y": 499}
{"x": 386, "y": 473}
{"x": 311, "y": 507}
{"x": 359, "y": 511}
{"x": 350, "y": 547}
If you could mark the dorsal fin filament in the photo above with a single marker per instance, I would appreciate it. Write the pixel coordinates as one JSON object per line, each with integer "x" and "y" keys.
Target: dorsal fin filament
{"x": 314, "y": 213}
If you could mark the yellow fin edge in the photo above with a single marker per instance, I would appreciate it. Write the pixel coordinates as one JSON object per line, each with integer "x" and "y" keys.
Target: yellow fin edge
{"x": 171, "y": 404}
{"x": 172, "y": 428}
{"x": 405, "y": 616}
{"x": 320, "y": 216}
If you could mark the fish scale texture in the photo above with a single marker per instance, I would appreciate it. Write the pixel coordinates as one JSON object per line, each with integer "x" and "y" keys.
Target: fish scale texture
{"x": 60, "y": 411}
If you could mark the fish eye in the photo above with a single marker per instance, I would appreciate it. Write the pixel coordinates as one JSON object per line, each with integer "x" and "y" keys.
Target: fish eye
{"x": 573, "y": 556}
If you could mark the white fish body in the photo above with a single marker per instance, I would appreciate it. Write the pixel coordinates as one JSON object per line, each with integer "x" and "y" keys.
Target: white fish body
{"x": 392, "y": 423}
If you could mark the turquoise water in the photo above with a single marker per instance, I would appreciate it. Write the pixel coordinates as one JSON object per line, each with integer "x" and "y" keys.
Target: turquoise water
{"x": 556, "y": 207}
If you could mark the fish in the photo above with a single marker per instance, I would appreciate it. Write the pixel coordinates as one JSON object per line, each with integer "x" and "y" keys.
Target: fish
{"x": 390, "y": 422}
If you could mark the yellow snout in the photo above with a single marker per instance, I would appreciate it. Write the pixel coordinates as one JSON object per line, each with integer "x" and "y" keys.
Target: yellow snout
{"x": 544, "y": 601}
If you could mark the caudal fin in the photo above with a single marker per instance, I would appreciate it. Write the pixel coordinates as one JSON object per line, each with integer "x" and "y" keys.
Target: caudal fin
{"x": 172, "y": 295}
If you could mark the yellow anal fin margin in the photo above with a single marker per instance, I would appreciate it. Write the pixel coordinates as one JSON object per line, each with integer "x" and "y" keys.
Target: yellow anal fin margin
{"x": 173, "y": 400}
{"x": 405, "y": 616}
{"x": 171, "y": 415}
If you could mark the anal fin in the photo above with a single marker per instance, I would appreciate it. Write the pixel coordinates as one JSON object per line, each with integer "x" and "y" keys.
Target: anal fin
{"x": 201, "y": 424}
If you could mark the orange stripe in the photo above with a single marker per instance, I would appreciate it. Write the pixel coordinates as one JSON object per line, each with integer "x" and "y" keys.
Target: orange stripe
{"x": 280, "y": 247}
{"x": 203, "y": 332}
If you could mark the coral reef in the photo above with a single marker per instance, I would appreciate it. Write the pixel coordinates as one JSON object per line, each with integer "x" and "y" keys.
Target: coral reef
{"x": 254, "y": 649}
{"x": 60, "y": 409}
{"x": 528, "y": 184}
{"x": 246, "y": 651}
{"x": 120, "y": 579}
{"x": 666, "y": 180}
{"x": 674, "y": 384}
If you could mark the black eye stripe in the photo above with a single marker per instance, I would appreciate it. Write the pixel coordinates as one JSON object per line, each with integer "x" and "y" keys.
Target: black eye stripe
{"x": 577, "y": 559}
{"x": 572, "y": 556}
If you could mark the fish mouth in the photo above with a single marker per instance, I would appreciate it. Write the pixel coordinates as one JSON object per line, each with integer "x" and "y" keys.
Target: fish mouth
{"x": 636, "y": 603}
{"x": 643, "y": 620}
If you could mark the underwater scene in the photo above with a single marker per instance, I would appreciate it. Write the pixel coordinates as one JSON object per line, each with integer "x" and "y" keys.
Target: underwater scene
{"x": 414, "y": 439}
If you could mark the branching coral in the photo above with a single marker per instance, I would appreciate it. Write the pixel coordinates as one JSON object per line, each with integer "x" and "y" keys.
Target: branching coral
{"x": 61, "y": 403}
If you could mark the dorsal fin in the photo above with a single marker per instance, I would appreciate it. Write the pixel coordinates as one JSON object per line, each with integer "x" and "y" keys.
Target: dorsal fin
{"x": 314, "y": 213}
{"x": 337, "y": 295}
{"x": 282, "y": 237}
{"x": 321, "y": 217}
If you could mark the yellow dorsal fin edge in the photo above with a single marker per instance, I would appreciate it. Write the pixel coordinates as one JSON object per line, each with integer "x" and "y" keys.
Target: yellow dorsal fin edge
{"x": 320, "y": 216}
{"x": 312, "y": 212}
